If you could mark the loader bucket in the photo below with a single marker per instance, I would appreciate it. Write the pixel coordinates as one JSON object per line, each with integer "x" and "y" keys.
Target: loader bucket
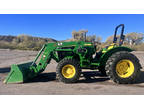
{"x": 20, "y": 73}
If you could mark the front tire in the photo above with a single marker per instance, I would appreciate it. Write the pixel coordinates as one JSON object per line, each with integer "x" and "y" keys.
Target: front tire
{"x": 123, "y": 68}
{"x": 68, "y": 70}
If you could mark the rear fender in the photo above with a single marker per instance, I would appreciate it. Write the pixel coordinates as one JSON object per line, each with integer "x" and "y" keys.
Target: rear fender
{"x": 106, "y": 55}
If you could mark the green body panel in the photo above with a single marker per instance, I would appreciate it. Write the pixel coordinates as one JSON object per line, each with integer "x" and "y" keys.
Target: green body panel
{"x": 79, "y": 50}
{"x": 104, "y": 57}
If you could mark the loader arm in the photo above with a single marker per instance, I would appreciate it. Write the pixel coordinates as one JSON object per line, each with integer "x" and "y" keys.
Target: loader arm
{"x": 46, "y": 54}
{"x": 23, "y": 72}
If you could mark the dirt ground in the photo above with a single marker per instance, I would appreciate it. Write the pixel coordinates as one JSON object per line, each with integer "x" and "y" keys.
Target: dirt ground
{"x": 90, "y": 83}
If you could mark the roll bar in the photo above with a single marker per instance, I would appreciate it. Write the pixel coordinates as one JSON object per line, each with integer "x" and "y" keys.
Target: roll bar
{"x": 122, "y": 36}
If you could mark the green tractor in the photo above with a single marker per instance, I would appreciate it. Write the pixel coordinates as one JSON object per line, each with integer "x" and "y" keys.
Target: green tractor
{"x": 115, "y": 61}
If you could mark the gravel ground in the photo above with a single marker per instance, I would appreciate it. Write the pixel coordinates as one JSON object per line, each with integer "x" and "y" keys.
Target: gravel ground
{"x": 45, "y": 84}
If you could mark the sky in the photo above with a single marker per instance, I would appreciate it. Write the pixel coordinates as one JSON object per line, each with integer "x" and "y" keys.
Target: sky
{"x": 60, "y": 26}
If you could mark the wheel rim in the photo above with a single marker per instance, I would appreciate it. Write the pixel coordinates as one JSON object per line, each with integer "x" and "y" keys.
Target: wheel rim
{"x": 68, "y": 71}
{"x": 125, "y": 68}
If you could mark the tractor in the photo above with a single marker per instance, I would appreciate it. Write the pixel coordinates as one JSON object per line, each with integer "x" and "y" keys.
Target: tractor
{"x": 115, "y": 61}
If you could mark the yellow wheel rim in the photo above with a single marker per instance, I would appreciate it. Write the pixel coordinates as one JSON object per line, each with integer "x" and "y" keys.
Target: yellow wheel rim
{"x": 125, "y": 68}
{"x": 68, "y": 71}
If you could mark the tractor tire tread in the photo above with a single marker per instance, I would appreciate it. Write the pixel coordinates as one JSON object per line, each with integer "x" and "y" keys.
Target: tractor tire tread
{"x": 60, "y": 77}
{"x": 112, "y": 73}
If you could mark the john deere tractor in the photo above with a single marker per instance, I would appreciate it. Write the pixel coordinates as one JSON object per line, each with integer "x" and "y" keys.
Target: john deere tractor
{"x": 115, "y": 61}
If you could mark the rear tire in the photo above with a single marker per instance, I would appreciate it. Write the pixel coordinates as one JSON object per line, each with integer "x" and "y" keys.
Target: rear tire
{"x": 68, "y": 70}
{"x": 123, "y": 67}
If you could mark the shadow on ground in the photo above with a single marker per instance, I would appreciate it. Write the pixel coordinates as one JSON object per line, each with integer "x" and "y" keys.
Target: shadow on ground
{"x": 44, "y": 77}
{"x": 92, "y": 77}
{"x": 87, "y": 77}
{"x": 5, "y": 70}
{"x": 141, "y": 79}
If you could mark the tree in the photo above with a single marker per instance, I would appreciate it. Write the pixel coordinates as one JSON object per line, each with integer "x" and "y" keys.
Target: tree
{"x": 130, "y": 38}
{"x": 109, "y": 40}
{"x": 79, "y": 35}
{"x": 91, "y": 38}
{"x": 82, "y": 33}
{"x": 134, "y": 38}
{"x": 98, "y": 39}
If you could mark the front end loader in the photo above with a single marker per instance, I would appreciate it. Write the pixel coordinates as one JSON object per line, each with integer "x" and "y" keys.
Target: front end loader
{"x": 115, "y": 61}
